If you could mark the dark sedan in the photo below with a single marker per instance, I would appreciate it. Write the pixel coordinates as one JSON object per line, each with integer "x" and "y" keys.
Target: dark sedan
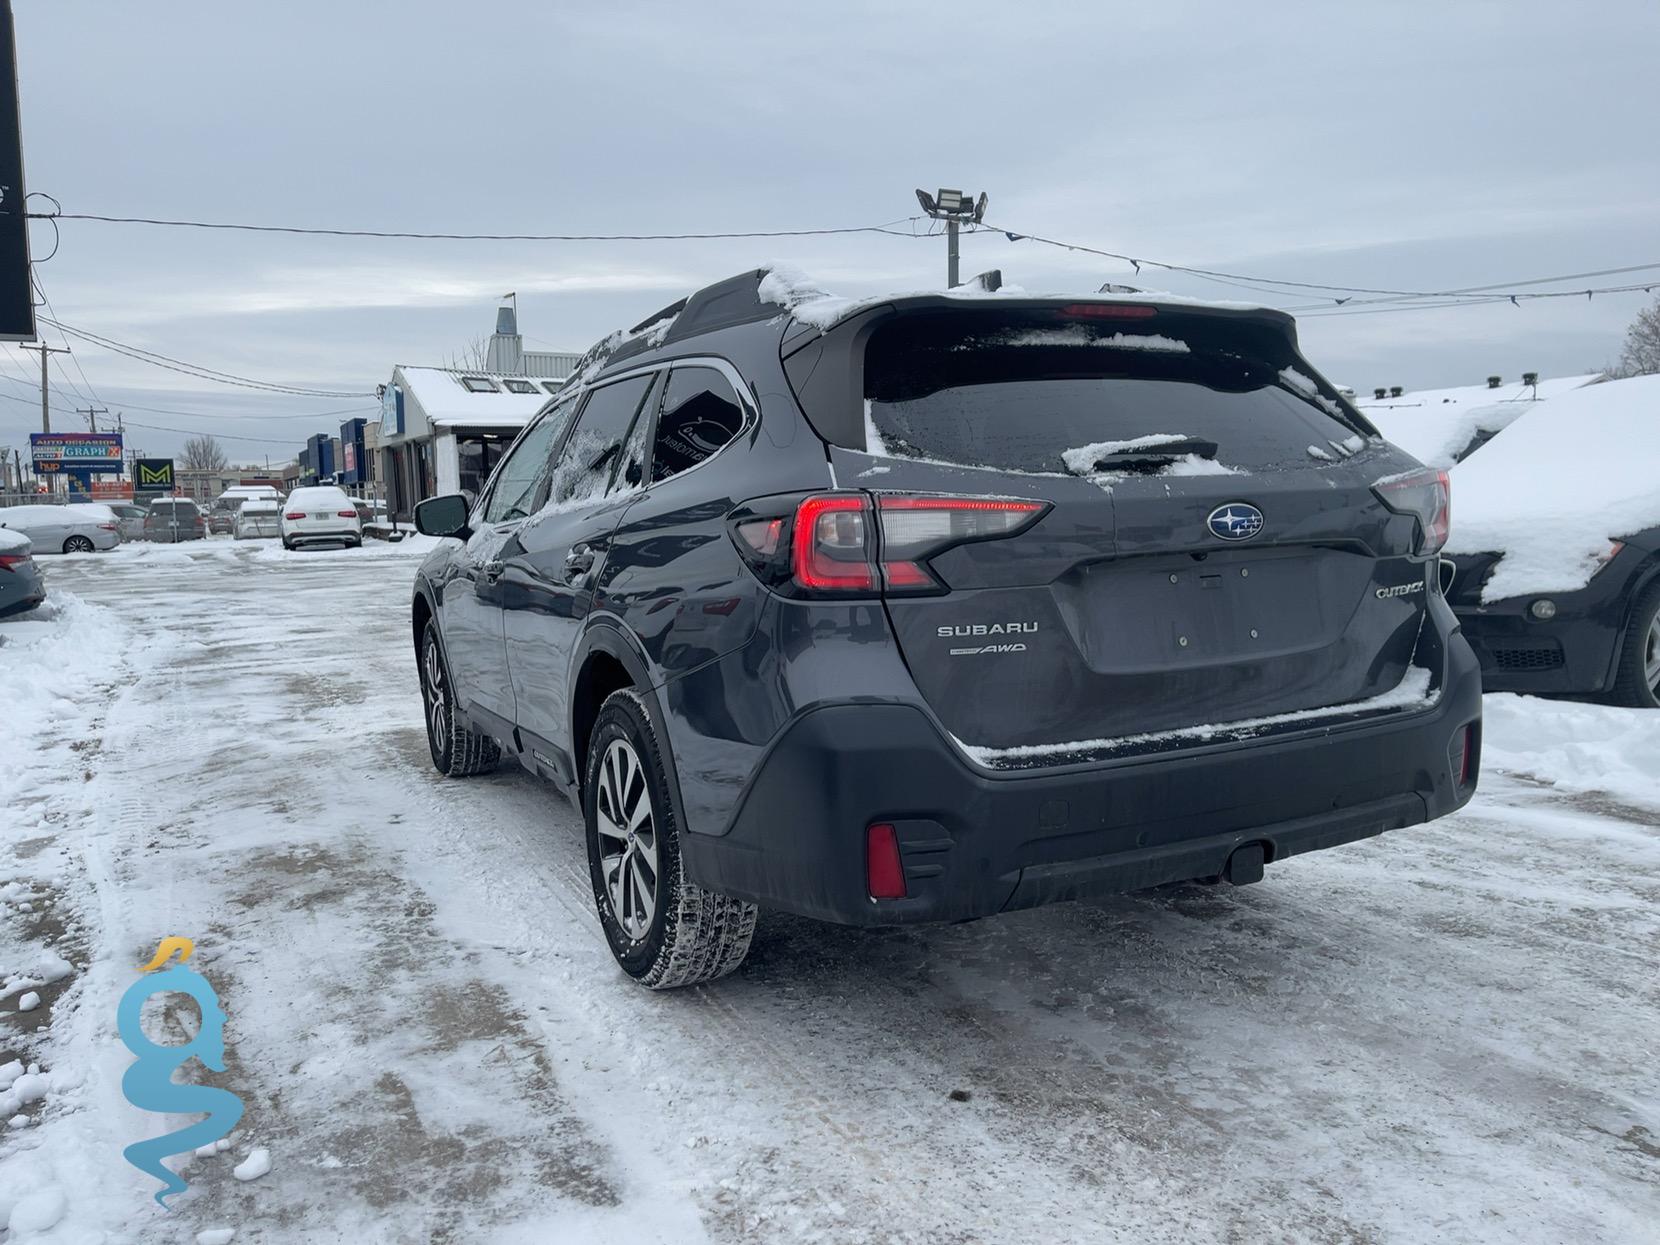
{"x": 1601, "y": 640}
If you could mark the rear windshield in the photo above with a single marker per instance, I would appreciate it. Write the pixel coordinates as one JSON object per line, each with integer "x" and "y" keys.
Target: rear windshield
{"x": 1093, "y": 399}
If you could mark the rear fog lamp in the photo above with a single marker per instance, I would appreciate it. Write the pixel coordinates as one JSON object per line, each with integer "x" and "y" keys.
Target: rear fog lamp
{"x": 884, "y": 871}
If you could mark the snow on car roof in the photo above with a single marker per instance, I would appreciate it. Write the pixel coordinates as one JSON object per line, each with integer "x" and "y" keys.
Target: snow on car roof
{"x": 1567, "y": 477}
{"x": 810, "y": 303}
{"x": 1436, "y": 425}
{"x": 13, "y": 540}
{"x": 449, "y": 403}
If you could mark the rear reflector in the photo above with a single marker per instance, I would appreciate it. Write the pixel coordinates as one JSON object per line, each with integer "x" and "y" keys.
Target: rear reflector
{"x": 884, "y": 871}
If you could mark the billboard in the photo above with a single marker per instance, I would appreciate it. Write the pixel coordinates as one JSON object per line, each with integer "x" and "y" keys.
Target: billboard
{"x": 17, "y": 302}
{"x": 354, "y": 464}
{"x": 76, "y": 451}
{"x": 153, "y": 475}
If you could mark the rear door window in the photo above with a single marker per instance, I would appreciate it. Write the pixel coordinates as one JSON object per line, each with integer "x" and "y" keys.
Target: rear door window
{"x": 594, "y": 449}
{"x": 1088, "y": 399}
{"x": 701, "y": 413}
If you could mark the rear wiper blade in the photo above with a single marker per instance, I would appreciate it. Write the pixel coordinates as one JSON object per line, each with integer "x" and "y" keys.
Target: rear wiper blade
{"x": 1155, "y": 455}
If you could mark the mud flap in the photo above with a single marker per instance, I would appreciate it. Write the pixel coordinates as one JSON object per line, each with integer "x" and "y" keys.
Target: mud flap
{"x": 1245, "y": 865}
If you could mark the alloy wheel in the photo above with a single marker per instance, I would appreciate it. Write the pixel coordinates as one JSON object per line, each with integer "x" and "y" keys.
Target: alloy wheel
{"x": 1651, "y": 655}
{"x": 627, "y": 838}
{"x": 434, "y": 690}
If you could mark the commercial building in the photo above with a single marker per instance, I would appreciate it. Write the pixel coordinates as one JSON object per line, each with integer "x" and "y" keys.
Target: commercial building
{"x": 442, "y": 430}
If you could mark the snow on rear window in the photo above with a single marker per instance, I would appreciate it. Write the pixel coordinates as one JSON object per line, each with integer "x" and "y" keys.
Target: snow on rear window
{"x": 1080, "y": 335}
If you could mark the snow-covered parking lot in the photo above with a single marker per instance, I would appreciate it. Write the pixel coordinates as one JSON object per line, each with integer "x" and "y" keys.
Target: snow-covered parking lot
{"x": 1451, "y": 1033}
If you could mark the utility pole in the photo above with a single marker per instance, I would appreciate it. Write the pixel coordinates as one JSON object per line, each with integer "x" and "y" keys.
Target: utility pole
{"x": 92, "y": 413}
{"x": 953, "y": 207}
{"x": 45, "y": 404}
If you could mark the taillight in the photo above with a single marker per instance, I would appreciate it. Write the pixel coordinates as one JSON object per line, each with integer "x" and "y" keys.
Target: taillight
{"x": 851, "y": 544}
{"x": 294, "y": 514}
{"x": 108, "y": 527}
{"x": 1425, "y": 494}
{"x": 917, "y": 528}
{"x": 10, "y": 560}
{"x": 345, "y": 514}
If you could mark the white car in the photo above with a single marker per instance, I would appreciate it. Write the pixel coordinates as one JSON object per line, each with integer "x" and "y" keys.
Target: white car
{"x": 320, "y": 515}
{"x": 256, "y": 518}
{"x": 64, "y": 529}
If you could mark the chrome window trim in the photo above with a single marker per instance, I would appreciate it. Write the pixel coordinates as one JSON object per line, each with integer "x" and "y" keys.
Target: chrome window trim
{"x": 735, "y": 378}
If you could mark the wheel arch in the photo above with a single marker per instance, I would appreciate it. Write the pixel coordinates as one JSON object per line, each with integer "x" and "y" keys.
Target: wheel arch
{"x": 1646, "y": 577}
{"x": 608, "y": 659}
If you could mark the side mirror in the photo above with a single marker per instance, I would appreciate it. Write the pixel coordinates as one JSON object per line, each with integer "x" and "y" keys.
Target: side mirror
{"x": 443, "y": 516}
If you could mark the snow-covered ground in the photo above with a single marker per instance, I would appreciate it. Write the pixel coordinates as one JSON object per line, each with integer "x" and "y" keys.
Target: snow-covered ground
{"x": 1451, "y": 1033}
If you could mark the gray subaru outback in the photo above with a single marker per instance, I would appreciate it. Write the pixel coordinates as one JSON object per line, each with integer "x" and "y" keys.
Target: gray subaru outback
{"x": 931, "y": 607}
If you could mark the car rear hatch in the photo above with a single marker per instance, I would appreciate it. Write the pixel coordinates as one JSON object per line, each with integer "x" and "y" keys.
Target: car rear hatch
{"x": 1210, "y": 546}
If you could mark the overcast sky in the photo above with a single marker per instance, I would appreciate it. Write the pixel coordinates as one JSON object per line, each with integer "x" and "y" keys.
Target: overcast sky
{"x": 1401, "y": 145}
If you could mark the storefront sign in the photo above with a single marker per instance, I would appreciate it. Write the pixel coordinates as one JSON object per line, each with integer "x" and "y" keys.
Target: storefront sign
{"x": 76, "y": 451}
{"x": 391, "y": 412}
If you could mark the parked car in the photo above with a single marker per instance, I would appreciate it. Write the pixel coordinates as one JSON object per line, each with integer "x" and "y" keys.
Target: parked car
{"x": 221, "y": 518}
{"x": 322, "y": 514}
{"x": 129, "y": 519}
{"x": 932, "y": 607}
{"x": 174, "y": 519}
{"x": 22, "y": 586}
{"x": 62, "y": 529}
{"x": 258, "y": 519}
{"x": 1556, "y": 555}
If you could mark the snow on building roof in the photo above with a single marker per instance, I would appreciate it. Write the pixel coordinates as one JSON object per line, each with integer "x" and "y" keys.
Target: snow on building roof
{"x": 447, "y": 401}
{"x": 1567, "y": 477}
{"x": 1437, "y": 426}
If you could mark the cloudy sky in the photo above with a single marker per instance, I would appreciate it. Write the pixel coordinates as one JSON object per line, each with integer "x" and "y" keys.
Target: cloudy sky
{"x": 1402, "y": 146}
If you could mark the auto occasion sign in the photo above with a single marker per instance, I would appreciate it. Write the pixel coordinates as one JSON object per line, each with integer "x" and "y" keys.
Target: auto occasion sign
{"x": 76, "y": 451}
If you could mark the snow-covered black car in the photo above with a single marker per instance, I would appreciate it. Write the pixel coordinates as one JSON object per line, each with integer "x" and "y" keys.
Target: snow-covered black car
{"x": 928, "y": 607}
{"x": 1557, "y": 547}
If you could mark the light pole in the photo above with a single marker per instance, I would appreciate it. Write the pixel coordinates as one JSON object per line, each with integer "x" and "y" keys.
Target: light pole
{"x": 953, "y": 207}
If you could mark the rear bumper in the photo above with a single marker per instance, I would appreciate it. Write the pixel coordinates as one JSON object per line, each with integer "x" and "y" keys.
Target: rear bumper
{"x": 974, "y": 842}
{"x": 322, "y": 535}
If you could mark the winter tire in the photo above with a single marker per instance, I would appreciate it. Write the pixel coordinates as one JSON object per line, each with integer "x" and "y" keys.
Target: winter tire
{"x": 77, "y": 544}
{"x": 458, "y": 751}
{"x": 664, "y": 931}
{"x": 1637, "y": 677}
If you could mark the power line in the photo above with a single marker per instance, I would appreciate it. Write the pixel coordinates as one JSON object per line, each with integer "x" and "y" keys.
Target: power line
{"x": 1228, "y": 278}
{"x": 45, "y": 298}
{"x": 199, "y": 371}
{"x": 887, "y": 227}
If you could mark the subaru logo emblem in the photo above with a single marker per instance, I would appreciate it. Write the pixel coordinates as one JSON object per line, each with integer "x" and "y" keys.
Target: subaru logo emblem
{"x": 1238, "y": 520}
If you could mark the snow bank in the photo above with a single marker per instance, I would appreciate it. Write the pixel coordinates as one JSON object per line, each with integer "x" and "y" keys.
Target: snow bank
{"x": 1573, "y": 747}
{"x": 1412, "y": 691}
{"x": 1566, "y": 478}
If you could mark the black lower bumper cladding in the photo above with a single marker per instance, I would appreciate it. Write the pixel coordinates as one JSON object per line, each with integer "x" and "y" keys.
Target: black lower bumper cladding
{"x": 976, "y": 842}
